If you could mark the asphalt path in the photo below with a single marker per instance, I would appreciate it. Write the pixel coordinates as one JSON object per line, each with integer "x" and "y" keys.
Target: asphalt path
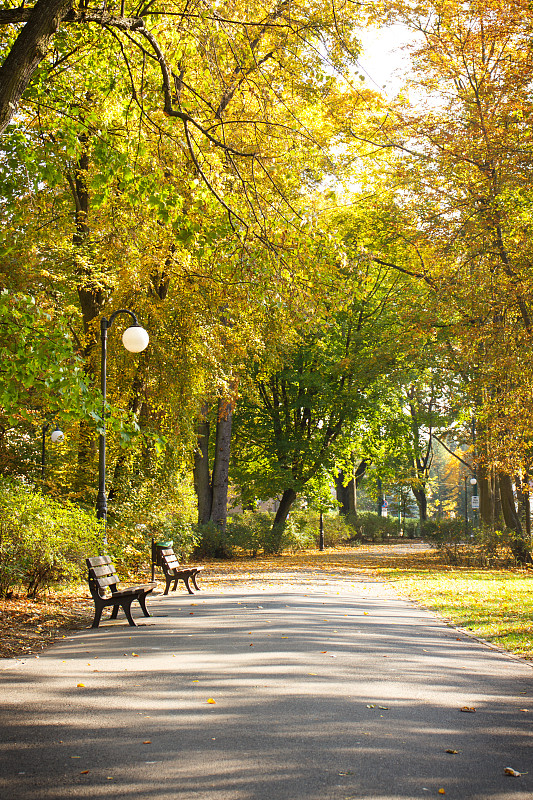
{"x": 309, "y": 691}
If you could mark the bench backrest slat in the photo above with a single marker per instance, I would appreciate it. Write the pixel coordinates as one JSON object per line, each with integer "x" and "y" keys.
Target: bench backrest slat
{"x": 102, "y": 574}
{"x": 98, "y": 561}
{"x": 169, "y": 560}
{"x": 109, "y": 580}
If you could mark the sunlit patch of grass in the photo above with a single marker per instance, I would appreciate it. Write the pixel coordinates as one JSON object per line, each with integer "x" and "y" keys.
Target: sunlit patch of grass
{"x": 496, "y": 605}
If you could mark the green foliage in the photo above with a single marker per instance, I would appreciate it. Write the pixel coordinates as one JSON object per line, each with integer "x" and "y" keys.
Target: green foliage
{"x": 212, "y": 542}
{"x": 252, "y": 533}
{"x": 482, "y": 547}
{"x": 42, "y": 540}
{"x": 147, "y": 515}
{"x": 337, "y": 530}
{"x": 370, "y": 527}
{"x": 38, "y": 367}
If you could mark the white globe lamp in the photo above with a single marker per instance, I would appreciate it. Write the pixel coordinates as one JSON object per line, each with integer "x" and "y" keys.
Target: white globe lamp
{"x": 135, "y": 339}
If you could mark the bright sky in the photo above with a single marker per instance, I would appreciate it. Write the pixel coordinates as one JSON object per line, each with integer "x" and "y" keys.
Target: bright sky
{"x": 382, "y": 61}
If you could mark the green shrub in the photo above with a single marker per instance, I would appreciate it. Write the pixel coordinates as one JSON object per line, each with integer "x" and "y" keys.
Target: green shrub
{"x": 42, "y": 540}
{"x": 212, "y": 542}
{"x": 250, "y": 532}
{"x": 482, "y": 547}
{"x": 369, "y": 527}
{"x": 337, "y": 529}
{"x": 411, "y": 528}
{"x": 130, "y": 540}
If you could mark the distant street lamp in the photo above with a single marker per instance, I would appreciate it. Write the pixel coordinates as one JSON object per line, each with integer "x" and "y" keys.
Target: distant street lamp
{"x": 475, "y": 500}
{"x": 466, "y": 508}
{"x": 135, "y": 339}
{"x": 55, "y": 437}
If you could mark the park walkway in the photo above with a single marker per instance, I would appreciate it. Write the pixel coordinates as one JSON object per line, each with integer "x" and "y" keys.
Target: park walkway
{"x": 269, "y": 685}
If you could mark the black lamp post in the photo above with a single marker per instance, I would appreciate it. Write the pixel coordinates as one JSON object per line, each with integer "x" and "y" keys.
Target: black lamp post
{"x": 466, "y": 507}
{"x": 321, "y": 543}
{"x": 475, "y": 500}
{"x": 55, "y": 437}
{"x": 135, "y": 339}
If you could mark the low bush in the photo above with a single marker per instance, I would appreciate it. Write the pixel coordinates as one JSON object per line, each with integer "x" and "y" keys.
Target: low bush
{"x": 212, "y": 542}
{"x": 252, "y": 533}
{"x": 337, "y": 529}
{"x": 42, "y": 540}
{"x": 130, "y": 532}
{"x": 370, "y": 527}
{"x": 482, "y": 547}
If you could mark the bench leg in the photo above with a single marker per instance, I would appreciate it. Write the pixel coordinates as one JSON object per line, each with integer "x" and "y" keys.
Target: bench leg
{"x": 126, "y": 605}
{"x": 186, "y": 582}
{"x": 142, "y": 603}
{"x": 169, "y": 581}
{"x": 193, "y": 578}
{"x": 97, "y": 615}
{"x": 114, "y": 613}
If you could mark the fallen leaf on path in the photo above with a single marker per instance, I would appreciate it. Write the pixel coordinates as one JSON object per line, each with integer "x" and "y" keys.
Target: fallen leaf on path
{"x": 453, "y": 752}
{"x": 466, "y": 708}
{"x": 84, "y": 772}
{"x": 80, "y": 685}
{"x": 442, "y": 791}
{"x": 513, "y": 772}
{"x": 147, "y": 742}
{"x": 211, "y": 701}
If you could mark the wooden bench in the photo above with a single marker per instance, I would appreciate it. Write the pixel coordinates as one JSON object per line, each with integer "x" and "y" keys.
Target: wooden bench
{"x": 174, "y": 572}
{"x": 103, "y": 578}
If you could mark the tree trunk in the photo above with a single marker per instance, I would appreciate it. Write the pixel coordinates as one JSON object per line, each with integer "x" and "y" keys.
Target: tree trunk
{"x": 519, "y": 546}
{"x": 286, "y": 503}
{"x": 219, "y": 505}
{"x": 346, "y": 495}
{"x": 422, "y": 503}
{"x": 379, "y": 501}
{"x": 508, "y": 503}
{"x": 523, "y": 505}
{"x": 202, "y": 481}
{"x": 486, "y": 502}
{"x": 135, "y": 405}
{"x": 91, "y": 301}
{"x": 27, "y": 52}
{"x": 496, "y": 500}
{"x": 359, "y": 475}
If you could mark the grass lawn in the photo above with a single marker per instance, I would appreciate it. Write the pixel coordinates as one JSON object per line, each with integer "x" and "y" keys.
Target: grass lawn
{"x": 496, "y": 605}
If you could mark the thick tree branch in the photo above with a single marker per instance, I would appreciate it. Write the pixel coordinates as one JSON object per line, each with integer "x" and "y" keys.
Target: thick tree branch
{"x": 27, "y": 52}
